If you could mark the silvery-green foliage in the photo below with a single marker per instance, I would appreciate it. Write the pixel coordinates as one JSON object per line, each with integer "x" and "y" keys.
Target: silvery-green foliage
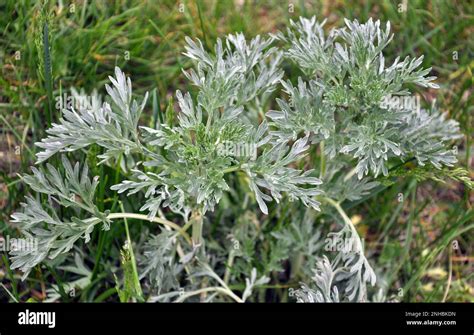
{"x": 351, "y": 189}
{"x": 355, "y": 269}
{"x": 159, "y": 262}
{"x": 77, "y": 268}
{"x": 192, "y": 172}
{"x": 302, "y": 235}
{"x": 204, "y": 270}
{"x": 270, "y": 171}
{"x": 54, "y": 236}
{"x": 342, "y": 102}
{"x": 252, "y": 282}
{"x": 310, "y": 47}
{"x": 325, "y": 289}
{"x": 346, "y": 276}
{"x": 306, "y": 112}
{"x": 424, "y": 135}
{"x": 159, "y": 191}
{"x": 343, "y": 279}
{"x": 111, "y": 126}
{"x": 73, "y": 187}
{"x": 238, "y": 73}
{"x": 222, "y": 137}
{"x": 182, "y": 166}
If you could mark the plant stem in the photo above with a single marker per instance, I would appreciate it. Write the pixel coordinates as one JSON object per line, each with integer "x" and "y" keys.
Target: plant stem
{"x": 346, "y": 219}
{"x": 351, "y": 174}
{"x": 196, "y": 219}
{"x": 232, "y": 169}
{"x": 136, "y": 280}
{"x": 296, "y": 264}
{"x": 322, "y": 170}
{"x": 146, "y": 218}
{"x": 211, "y": 289}
{"x": 450, "y": 274}
{"x": 230, "y": 263}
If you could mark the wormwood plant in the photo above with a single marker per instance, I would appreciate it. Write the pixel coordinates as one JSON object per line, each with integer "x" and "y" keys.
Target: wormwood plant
{"x": 331, "y": 138}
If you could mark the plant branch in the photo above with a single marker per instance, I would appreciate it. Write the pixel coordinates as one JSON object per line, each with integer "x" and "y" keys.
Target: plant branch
{"x": 146, "y": 218}
{"x": 322, "y": 170}
{"x": 211, "y": 289}
{"x": 136, "y": 280}
{"x": 196, "y": 220}
{"x": 346, "y": 219}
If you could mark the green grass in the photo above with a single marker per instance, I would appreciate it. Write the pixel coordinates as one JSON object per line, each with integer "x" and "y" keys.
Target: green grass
{"x": 146, "y": 38}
